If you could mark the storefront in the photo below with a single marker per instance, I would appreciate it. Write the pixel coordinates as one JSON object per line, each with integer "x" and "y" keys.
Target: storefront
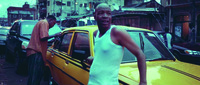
{"x": 181, "y": 16}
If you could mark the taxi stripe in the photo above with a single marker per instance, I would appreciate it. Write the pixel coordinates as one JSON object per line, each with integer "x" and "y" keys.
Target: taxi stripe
{"x": 66, "y": 73}
{"x": 80, "y": 66}
{"x": 182, "y": 72}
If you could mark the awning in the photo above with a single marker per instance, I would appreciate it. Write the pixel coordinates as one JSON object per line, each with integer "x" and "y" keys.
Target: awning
{"x": 139, "y": 9}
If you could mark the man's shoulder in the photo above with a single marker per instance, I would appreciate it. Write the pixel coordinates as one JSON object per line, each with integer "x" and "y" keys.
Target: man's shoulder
{"x": 43, "y": 21}
{"x": 117, "y": 29}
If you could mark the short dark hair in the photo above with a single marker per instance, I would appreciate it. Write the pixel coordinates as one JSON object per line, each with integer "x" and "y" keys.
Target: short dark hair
{"x": 51, "y": 17}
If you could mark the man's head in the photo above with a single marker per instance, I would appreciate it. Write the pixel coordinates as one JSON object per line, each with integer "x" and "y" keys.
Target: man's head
{"x": 103, "y": 15}
{"x": 51, "y": 20}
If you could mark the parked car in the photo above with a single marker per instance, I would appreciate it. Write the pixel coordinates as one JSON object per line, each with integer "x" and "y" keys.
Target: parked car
{"x": 66, "y": 65}
{"x": 183, "y": 50}
{"x": 17, "y": 41}
{"x": 3, "y": 34}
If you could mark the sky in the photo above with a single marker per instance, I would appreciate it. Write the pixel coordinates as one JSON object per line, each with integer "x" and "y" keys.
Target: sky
{"x": 4, "y": 4}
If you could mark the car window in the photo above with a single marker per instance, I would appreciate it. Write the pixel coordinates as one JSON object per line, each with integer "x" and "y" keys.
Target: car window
{"x": 14, "y": 27}
{"x": 81, "y": 48}
{"x": 27, "y": 27}
{"x": 65, "y": 42}
{"x": 151, "y": 46}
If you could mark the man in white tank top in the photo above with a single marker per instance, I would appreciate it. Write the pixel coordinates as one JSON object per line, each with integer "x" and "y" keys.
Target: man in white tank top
{"x": 109, "y": 47}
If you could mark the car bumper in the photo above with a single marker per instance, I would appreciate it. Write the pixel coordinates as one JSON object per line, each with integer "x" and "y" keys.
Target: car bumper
{"x": 193, "y": 56}
{"x": 2, "y": 42}
{"x": 195, "y": 59}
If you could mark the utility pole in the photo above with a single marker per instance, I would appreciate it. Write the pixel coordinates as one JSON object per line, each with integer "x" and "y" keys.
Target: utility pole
{"x": 75, "y": 6}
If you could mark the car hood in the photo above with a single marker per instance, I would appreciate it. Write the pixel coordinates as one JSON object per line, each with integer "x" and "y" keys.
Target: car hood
{"x": 189, "y": 46}
{"x": 162, "y": 73}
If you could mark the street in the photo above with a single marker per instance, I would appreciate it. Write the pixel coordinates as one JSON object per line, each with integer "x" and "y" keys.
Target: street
{"x": 8, "y": 75}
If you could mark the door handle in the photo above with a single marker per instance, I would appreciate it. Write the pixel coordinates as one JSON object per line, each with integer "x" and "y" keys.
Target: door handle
{"x": 52, "y": 54}
{"x": 66, "y": 61}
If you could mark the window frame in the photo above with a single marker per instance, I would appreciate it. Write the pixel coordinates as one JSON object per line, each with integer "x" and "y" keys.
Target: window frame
{"x": 74, "y": 40}
{"x": 61, "y": 40}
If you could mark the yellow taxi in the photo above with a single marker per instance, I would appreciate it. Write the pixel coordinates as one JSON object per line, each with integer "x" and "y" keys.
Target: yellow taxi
{"x": 66, "y": 60}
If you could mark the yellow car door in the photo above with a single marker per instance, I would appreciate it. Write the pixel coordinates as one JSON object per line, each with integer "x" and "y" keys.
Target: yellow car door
{"x": 74, "y": 70}
{"x": 58, "y": 59}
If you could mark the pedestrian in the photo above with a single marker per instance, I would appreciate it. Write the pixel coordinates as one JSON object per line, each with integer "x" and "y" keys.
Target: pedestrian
{"x": 109, "y": 46}
{"x": 167, "y": 38}
{"x": 191, "y": 33}
{"x": 37, "y": 48}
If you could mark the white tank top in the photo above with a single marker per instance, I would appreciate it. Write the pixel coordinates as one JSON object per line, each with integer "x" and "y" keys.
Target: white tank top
{"x": 108, "y": 56}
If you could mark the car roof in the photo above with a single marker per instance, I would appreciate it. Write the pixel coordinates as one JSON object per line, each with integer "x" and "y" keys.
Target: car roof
{"x": 95, "y": 27}
{"x": 26, "y": 21}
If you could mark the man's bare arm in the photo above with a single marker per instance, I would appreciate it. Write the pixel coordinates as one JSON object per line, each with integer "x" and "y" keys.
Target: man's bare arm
{"x": 125, "y": 40}
{"x": 51, "y": 36}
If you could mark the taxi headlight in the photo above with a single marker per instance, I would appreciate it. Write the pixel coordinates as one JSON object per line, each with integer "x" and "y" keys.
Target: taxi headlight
{"x": 192, "y": 52}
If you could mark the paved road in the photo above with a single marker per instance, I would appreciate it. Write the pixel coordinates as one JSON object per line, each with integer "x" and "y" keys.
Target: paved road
{"x": 8, "y": 75}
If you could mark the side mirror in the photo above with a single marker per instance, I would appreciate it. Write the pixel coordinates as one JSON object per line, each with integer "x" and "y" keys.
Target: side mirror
{"x": 13, "y": 32}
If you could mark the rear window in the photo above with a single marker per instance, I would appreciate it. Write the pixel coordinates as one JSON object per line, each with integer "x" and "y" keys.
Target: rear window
{"x": 151, "y": 46}
{"x": 27, "y": 27}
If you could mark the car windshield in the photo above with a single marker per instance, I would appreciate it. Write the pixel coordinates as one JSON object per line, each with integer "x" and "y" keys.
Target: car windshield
{"x": 151, "y": 46}
{"x": 68, "y": 23}
{"x": 3, "y": 31}
{"x": 27, "y": 27}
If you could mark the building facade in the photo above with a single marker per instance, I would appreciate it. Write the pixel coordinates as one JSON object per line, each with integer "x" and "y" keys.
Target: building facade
{"x": 25, "y": 12}
{"x": 3, "y": 22}
{"x": 182, "y": 13}
{"x": 64, "y": 8}
{"x": 148, "y": 15}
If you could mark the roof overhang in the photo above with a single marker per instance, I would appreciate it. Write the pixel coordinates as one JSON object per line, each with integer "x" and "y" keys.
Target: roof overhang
{"x": 140, "y": 9}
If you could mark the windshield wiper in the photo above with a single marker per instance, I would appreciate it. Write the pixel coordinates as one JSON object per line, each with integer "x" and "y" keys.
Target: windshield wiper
{"x": 158, "y": 59}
